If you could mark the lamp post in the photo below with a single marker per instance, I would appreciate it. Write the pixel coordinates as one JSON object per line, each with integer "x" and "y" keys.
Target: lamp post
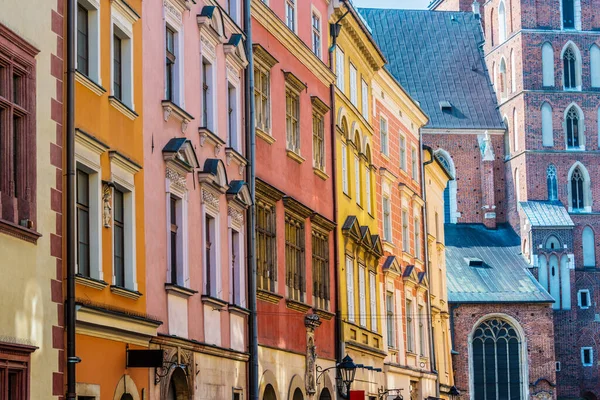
{"x": 345, "y": 372}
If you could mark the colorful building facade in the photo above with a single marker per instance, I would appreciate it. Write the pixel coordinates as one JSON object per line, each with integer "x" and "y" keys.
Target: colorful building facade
{"x": 294, "y": 199}
{"x": 31, "y": 181}
{"x": 196, "y": 197}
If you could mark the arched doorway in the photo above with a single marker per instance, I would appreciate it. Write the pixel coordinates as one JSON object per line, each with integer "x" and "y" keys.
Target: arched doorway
{"x": 325, "y": 395}
{"x": 178, "y": 388}
{"x": 298, "y": 395}
{"x": 126, "y": 396}
{"x": 269, "y": 393}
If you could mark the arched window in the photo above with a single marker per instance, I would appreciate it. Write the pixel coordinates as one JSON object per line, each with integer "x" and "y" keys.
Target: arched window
{"x": 501, "y": 22}
{"x": 543, "y": 271}
{"x": 298, "y": 395}
{"x": 595, "y": 65}
{"x": 506, "y": 138}
{"x": 368, "y": 188}
{"x": 502, "y": 87}
{"x": 496, "y": 357}
{"x": 577, "y": 193}
{"x": 552, "y": 183}
{"x": 450, "y": 207}
{"x": 515, "y": 129}
{"x": 547, "y": 128}
{"x": 178, "y": 388}
{"x": 552, "y": 243}
{"x": 571, "y": 67}
{"x": 513, "y": 72}
{"x": 548, "y": 65}
{"x": 269, "y": 393}
{"x": 589, "y": 250}
{"x": 517, "y": 186}
{"x": 126, "y": 396}
{"x": 492, "y": 17}
{"x": 345, "y": 158}
{"x": 554, "y": 278}
{"x": 357, "y": 173}
{"x": 565, "y": 283}
{"x": 573, "y": 129}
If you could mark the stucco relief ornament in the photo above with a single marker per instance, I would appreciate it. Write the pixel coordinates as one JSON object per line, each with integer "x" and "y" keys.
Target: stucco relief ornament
{"x": 311, "y": 322}
{"x": 542, "y": 396}
{"x": 107, "y": 208}
{"x": 210, "y": 199}
{"x": 236, "y": 216}
{"x": 176, "y": 179}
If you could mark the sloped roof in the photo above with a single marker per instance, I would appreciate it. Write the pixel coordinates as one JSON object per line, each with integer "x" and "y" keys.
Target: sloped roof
{"x": 546, "y": 213}
{"x": 503, "y": 277}
{"x": 436, "y": 57}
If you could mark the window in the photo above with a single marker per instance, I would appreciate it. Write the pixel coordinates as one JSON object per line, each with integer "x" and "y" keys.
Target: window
{"x": 417, "y": 231}
{"x": 583, "y": 299}
{"x": 547, "y": 128}
{"x": 403, "y": 153}
{"x": 410, "y": 328}
{"x": 364, "y": 92}
{"x": 14, "y": 372}
{"x": 513, "y": 72}
{"x": 208, "y": 90}
{"x": 414, "y": 164}
{"x": 170, "y": 65}
{"x": 345, "y": 168}
{"x": 119, "y": 237}
{"x": 571, "y": 73}
{"x": 292, "y": 111}
{"x": 405, "y": 238}
{"x": 320, "y": 269}
{"x": 210, "y": 260}
{"x": 547, "y": 65}
{"x": 387, "y": 219}
{"x": 266, "y": 246}
{"x": 237, "y": 290}
{"x": 496, "y": 361}
{"x": 383, "y": 127}
{"x": 373, "y": 300}
{"x": 83, "y": 223}
{"x": 318, "y": 141}
{"x": 261, "y": 99}
{"x": 353, "y": 89}
{"x": 233, "y": 117}
{"x": 589, "y": 247}
{"x": 290, "y": 14}
{"x": 117, "y": 68}
{"x": 595, "y": 65}
{"x": 515, "y": 130}
{"x": 294, "y": 258}
{"x": 316, "y": 34}
{"x": 17, "y": 132}
{"x": 175, "y": 259}
{"x": 350, "y": 288}
{"x": 83, "y": 51}
{"x": 587, "y": 356}
{"x": 339, "y": 69}
{"x": 362, "y": 295}
{"x": 357, "y": 184}
{"x": 577, "y": 192}
{"x": 233, "y": 10}
{"x": 572, "y": 127}
{"x": 390, "y": 320}
{"x": 422, "y": 340}
{"x": 552, "y": 183}
{"x": 501, "y": 22}
{"x": 568, "y": 14}
{"x": 368, "y": 188}
{"x": 502, "y": 86}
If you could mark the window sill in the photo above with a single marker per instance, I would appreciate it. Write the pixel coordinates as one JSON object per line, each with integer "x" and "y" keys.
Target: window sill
{"x": 232, "y": 154}
{"x": 320, "y": 173}
{"x": 206, "y": 135}
{"x": 89, "y": 83}
{"x": 297, "y": 305}
{"x": 324, "y": 314}
{"x": 119, "y": 105}
{"x": 238, "y": 310}
{"x": 295, "y": 156}
{"x": 170, "y": 108}
{"x": 19, "y": 232}
{"x": 216, "y": 304}
{"x": 90, "y": 282}
{"x": 580, "y": 148}
{"x": 121, "y": 291}
{"x": 268, "y": 297}
{"x": 388, "y": 246}
{"x": 265, "y": 136}
{"x": 179, "y": 290}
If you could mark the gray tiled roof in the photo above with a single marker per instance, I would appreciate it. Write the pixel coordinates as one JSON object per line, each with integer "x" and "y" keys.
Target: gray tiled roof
{"x": 436, "y": 57}
{"x": 546, "y": 213}
{"x": 504, "y": 276}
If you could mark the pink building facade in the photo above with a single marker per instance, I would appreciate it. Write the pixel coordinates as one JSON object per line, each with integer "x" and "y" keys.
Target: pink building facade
{"x": 196, "y": 196}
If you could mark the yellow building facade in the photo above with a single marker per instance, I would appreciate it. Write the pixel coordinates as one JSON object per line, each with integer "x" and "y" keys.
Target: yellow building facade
{"x": 110, "y": 257}
{"x": 357, "y": 59}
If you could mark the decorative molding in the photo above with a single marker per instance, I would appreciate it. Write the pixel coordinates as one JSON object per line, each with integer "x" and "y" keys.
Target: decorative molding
{"x": 237, "y": 310}
{"x": 107, "y": 205}
{"x": 294, "y": 206}
{"x": 177, "y": 180}
{"x": 18, "y": 41}
{"x": 237, "y": 217}
{"x": 295, "y": 156}
{"x": 89, "y": 83}
{"x": 293, "y": 82}
{"x": 321, "y": 174}
{"x": 268, "y": 297}
{"x": 209, "y": 49}
{"x": 90, "y": 282}
{"x": 130, "y": 294}
{"x": 265, "y": 136}
{"x": 179, "y": 290}
{"x": 263, "y": 57}
{"x": 210, "y": 199}
{"x": 216, "y": 304}
{"x": 123, "y": 108}
{"x": 126, "y": 10}
{"x": 170, "y": 108}
{"x": 319, "y": 105}
{"x": 176, "y": 12}
{"x": 124, "y": 162}
{"x": 324, "y": 314}
{"x": 231, "y": 154}
{"x": 297, "y": 305}
{"x": 206, "y": 135}
{"x": 322, "y": 222}
{"x": 90, "y": 142}
{"x": 263, "y": 189}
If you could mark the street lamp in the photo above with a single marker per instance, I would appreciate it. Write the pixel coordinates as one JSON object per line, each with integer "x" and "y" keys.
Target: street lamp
{"x": 345, "y": 372}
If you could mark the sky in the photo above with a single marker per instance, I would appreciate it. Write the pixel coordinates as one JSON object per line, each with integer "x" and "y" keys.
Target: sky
{"x": 411, "y": 4}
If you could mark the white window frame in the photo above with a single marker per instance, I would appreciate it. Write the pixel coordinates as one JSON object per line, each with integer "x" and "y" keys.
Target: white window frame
{"x": 410, "y": 325}
{"x": 234, "y": 141}
{"x": 362, "y": 295}
{"x": 390, "y": 315}
{"x": 340, "y": 73}
{"x": 405, "y": 231}
{"x": 317, "y": 50}
{"x": 591, "y": 350}
{"x": 384, "y": 136}
{"x": 94, "y": 53}
{"x": 576, "y": 15}
{"x": 402, "y": 152}
{"x": 210, "y": 209}
{"x": 357, "y": 180}
{"x": 353, "y": 85}
{"x": 235, "y": 14}
{"x": 368, "y": 189}
{"x": 173, "y": 188}
{"x": 350, "y": 288}
{"x": 387, "y": 217}
{"x": 175, "y": 23}
{"x": 123, "y": 176}
{"x": 345, "y": 168}
{"x": 294, "y": 4}
{"x": 373, "y": 299}
{"x": 547, "y": 125}
{"x": 417, "y": 235}
{"x": 364, "y": 92}
{"x": 211, "y": 110}
{"x": 586, "y": 292}
{"x": 122, "y": 27}
{"x": 234, "y": 225}
{"x": 414, "y": 164}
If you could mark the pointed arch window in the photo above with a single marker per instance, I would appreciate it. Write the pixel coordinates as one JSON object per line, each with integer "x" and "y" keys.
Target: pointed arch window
{"x": 570, "y": 68}
{"x": 547, "y": 65}
{"x": 572, "y": 127}
{"x": 501, "y": 22}
{"x": 588, "y": 244}
{"x": 502, "y": 86}
{"x": 496, "y": 351}
{"x": 552, "y": 183}
{"x": 547, "y": 128}
{"x": 577, "y": 194}
{"x": 595, "y": 65}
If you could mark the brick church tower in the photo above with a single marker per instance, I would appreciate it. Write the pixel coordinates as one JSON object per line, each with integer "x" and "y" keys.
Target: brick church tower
{"x": 543, "y": 57}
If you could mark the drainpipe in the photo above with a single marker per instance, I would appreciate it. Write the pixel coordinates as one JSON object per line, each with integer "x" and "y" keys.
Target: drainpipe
{"x": 426, "y": 249}
{"x": 72, "y": 359}
{"x": 251, "y": 215}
